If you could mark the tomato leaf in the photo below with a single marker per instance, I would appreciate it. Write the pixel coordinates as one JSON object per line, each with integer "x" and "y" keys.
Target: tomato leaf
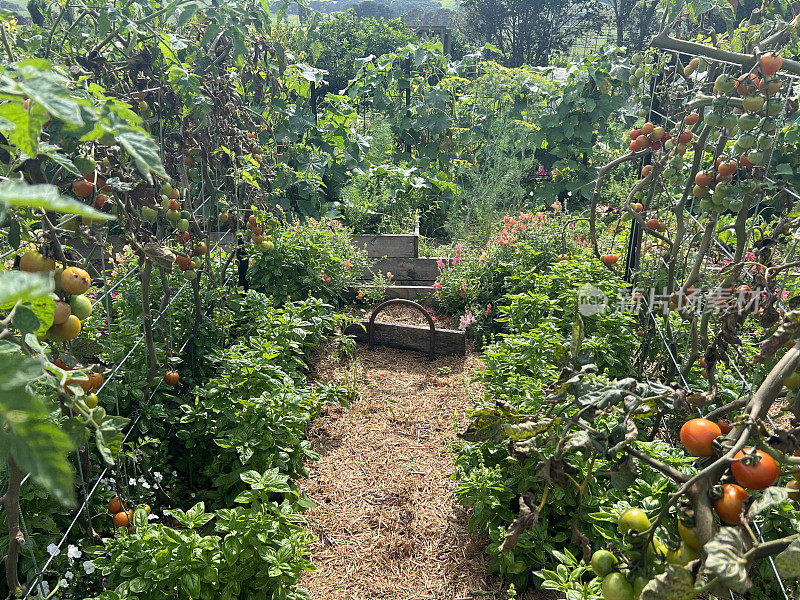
{"x": 27, "y": 125}
{"x": 17, "y": 285}
{"x": 788, "y": 561}
{"x": 143, "y": 150}
{"x": 771, "y": 496}
{"x": 676, "y": 583}
{"x": 48, "y": 197}
{"x": 726, "y": 559}
{"x": 26, "y": 431}
{"x": 25, "y": 320}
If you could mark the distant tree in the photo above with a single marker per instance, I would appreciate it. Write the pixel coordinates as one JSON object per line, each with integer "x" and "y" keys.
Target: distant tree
{"x": 374, "y": 10}
{"x": 346, "y": 37}
{"x": 529, "y": 31}
{"x": 635, "y": 21}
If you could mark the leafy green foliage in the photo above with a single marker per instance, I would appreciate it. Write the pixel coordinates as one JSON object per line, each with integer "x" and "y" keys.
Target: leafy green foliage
{"x": 27, "y": 432}
{"x": 255, "y": 550}
{"x": 314, "y": 259}
{"x": 253, "y": 412}
{"x": 337, "y": 45}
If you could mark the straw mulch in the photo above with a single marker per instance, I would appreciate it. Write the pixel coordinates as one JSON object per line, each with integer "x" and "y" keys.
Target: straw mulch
{"x": 386, "y": 522}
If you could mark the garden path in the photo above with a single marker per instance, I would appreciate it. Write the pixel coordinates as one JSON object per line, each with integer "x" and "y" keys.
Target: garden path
{"x": 386, "y": 522}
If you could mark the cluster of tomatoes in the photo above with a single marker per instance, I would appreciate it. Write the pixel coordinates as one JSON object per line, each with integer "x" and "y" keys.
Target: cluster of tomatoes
{"x": 256, "y": 233}
{"x": 626, "y": 582}
{"x": 752, "y": 469}
{"x": 90, "y": 385}
{"x": 123, "y": 516}
{"x": 654, "y": 137}
{"x": 71, "y": 283}
{"x": 91, "y": 184}
{"x": 637, "y": 207}
{"x": 187, "y": 263}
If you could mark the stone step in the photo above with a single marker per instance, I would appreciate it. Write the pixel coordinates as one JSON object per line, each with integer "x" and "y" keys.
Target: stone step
{"x": 418, "y": 271}
{"x": 410, "y": 337}
{"x": 389, "y": 245}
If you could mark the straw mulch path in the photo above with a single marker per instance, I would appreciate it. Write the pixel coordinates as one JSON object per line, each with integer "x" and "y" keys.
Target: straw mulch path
{"x": 385, "y": 519}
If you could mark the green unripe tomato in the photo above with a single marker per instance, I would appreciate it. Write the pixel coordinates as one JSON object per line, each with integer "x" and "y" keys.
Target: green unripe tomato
{"x": 706, "y": 204}
{"x": 149, "y": 213}
{"x": 173, "y": 216}
{"x": 603, "y": 562}
{"x": 183, "y": 225}
{"x": 774, "y": 107}
{"x": 725, "y": 83}
{"x": 633, "y": 519}
{"x": 753, "y": 103}
{"x": 729, "y": 121}
{"x": 682, "y": 556}
{"x": 85, "y": 164}
{"x": 713, "y": 119}
{"x": 637, "y": 59}
{"x": 745, "y": 142}
{"x": 747, "y": 122}
{"x": 639, "y": 583}
{"x": 80, "y": 306}
{"x": 768, "y": 124}
{"x": 764, "y": 142}
{"x": 616, "y": 587}
{"x": 190, "y": 274}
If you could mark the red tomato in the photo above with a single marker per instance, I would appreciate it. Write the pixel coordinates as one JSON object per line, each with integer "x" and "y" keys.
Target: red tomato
{"x": 724, "y": 426}
{"x": 729, "y": 507}
{"x": 171, "y": 377}
{"x": 771, "y": 64}
{"x": 697, "y": 435}
{"x": 755, "y": 477}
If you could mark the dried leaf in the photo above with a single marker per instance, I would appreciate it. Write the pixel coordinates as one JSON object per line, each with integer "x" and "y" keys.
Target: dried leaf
{"x": 771, "y": 496}
{"x": 676, "y": 583}
{"x": 160, "y": 255}
{"x": 527, "y": 518}
{"x": 484, "y": 425}
{"x": 788, "y": 561}
{"x": 528, "y": 429}
{"x": 726, "y": 559}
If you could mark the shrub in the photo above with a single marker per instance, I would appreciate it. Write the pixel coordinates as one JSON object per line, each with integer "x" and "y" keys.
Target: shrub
{"x": 314, "y": 258}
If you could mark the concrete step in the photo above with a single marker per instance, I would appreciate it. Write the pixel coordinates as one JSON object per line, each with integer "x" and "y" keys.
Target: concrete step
{"x": 410, "y": 337}
{"x": 405, "y": 271}
{"x": 389, "y": 245}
